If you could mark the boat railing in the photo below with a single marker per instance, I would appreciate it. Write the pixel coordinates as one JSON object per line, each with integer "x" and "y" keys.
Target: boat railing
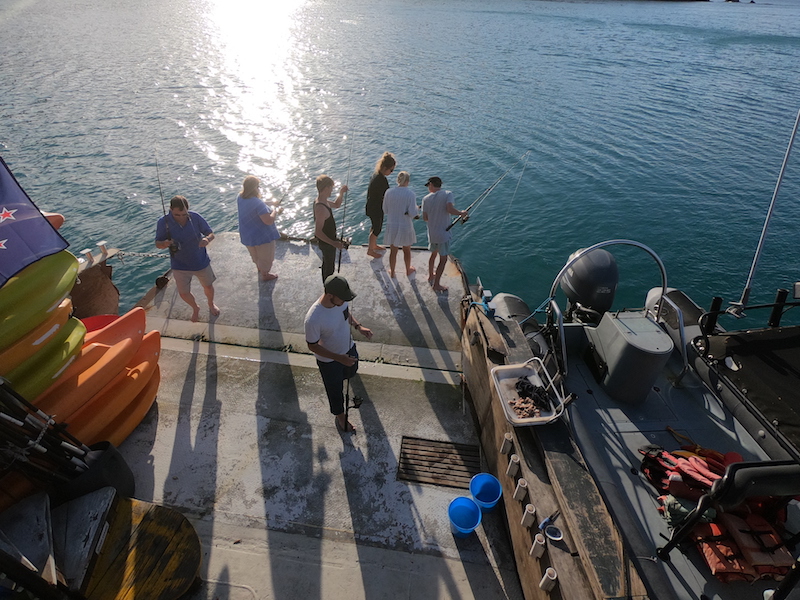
{"x": 554, "y": 314}
{"x": 681, "y": 332}
{"x": 555, "y": 310}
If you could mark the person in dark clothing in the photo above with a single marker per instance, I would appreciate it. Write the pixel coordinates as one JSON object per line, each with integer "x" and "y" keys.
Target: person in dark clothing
{"x": 325, "y": 225}
{"x": 378, "y": 185}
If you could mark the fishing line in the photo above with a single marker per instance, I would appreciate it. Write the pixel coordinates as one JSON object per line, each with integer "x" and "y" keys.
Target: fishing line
{"x": 525, "y": 164}
{"x": 485, "y": 194}
{"x": 344, "y": 207}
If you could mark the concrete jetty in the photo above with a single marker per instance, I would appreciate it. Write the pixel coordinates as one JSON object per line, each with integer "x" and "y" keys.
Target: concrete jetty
{"x": 242, "y": 442}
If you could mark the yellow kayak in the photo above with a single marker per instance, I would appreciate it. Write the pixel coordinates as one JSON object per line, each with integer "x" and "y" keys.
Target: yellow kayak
{"x": 42, "y": 369}
{"x": 28, "y": 298}
{"x": 33, "y": 341}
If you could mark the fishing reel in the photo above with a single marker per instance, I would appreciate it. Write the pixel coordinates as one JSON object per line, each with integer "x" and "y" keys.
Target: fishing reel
{"x": 346, "y": 243}
{"x": 174, "y": 247}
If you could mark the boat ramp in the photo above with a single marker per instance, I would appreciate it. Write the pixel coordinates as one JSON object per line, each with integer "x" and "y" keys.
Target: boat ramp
{"x": 242, "y": 442}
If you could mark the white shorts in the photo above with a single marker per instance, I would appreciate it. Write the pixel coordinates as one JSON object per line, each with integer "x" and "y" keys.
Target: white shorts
{"x": 443, "y": 249}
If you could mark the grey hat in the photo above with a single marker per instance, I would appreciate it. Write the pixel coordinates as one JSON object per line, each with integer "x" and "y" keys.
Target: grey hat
{"x": 437, "y": 182}
{"x": 338, "y": 286}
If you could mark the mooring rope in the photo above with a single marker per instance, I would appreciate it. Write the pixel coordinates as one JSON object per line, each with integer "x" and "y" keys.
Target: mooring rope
{"x": 124, "y": 253}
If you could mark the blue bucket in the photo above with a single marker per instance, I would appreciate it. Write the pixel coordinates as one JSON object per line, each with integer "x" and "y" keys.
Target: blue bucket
{"x": 486, "y": 490}
{"x": 464, "y": 515}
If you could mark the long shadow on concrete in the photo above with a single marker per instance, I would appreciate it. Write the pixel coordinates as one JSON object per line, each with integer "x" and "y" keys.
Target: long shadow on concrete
{"x": 294, "y": 494}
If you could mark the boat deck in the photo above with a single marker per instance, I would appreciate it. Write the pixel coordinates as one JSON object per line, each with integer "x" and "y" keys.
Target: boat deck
{"x": 242, "y": 442}
{"x": 610, "y": 433}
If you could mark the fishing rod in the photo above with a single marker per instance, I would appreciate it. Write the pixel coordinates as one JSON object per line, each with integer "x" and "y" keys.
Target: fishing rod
{"x": 163, "y": 205}
{"x": 738, "y": 307}
{"x": 485, "y": 194}
{"x": 344, "y": 207}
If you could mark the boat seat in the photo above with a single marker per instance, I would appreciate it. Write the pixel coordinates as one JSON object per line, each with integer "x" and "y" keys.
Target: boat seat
{"x": 740, "y": 481}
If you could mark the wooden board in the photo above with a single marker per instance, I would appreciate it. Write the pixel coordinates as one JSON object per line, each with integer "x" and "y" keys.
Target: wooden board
{"x": 77, "y": 528}
{"x": 27, "y": 526}
{"x": 150, "y": 551}
{"x": 590, "y": 563}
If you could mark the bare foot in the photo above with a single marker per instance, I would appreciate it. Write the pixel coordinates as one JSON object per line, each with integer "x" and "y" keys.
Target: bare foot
{"x": 268, "y": 277}
{"x": 195, "y": 314}
{"x": 410, "y": 270}
{"x": 374, "y": 253}
{"x": 345, "y": 426}
{"x": 380, "y": 248}
{"x": 439, "y": 288}
{"x": 391, "y": 275}
{"x": 214, "y": 310}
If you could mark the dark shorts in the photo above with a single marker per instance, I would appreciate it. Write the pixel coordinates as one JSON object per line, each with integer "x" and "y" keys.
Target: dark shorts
{"x": 376, "y": 217}
{"x": 328, "y": 260}
{"x": 333, "y": 375}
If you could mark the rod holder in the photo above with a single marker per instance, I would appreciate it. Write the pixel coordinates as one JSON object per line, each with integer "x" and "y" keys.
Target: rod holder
{"x": 537, "y": 548}
{"x": 508, "y": 443}
{"x": 521, "y": 490}
{"x": 548, "y": 581}
{"x": 529, "y": 515}
{"x": 513, "y": 466}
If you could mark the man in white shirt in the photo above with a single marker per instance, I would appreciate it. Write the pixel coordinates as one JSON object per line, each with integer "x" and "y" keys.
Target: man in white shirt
{"x": 437, "y": 207}
{"x": 327, "y": 328}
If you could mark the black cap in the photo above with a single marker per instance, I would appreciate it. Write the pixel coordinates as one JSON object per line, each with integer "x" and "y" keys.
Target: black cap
{"x": 435, "y": 181}
{"x": 338, "y": 286}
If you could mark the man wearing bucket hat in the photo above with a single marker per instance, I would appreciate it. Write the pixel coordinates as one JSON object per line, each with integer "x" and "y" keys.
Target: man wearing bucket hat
{"x": 327, "y": 328}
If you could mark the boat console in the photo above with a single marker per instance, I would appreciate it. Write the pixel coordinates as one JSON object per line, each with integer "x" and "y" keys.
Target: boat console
{"x": 627, "y": 352}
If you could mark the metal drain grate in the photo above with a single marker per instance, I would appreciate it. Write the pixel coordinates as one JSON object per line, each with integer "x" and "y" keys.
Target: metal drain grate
{"x": 439, "y": 463}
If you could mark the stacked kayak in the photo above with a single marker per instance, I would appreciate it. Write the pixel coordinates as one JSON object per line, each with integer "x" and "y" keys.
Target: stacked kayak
{"x": 99, "y": 383}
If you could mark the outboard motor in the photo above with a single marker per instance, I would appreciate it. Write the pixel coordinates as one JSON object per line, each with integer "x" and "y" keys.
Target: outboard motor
{"x": 590, "y": 285}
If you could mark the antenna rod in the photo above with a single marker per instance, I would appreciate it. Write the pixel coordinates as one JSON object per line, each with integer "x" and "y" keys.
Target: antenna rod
{"x": 742, "y": 304}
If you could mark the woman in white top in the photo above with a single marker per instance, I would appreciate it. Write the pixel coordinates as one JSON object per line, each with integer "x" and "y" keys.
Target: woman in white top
{"x": 400, "y": 207}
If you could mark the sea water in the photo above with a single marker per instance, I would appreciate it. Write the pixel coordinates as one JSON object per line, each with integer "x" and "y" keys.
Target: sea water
{"x": 661, "y": 122}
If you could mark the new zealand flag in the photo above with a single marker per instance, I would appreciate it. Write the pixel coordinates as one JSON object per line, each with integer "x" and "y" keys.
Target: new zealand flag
{"x": 25, "y": 235}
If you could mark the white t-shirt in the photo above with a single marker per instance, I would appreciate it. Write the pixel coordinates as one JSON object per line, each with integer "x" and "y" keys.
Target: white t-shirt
{"x": 330, "y": 328}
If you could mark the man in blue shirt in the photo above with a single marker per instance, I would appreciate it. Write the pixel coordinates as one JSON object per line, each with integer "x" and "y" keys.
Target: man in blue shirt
{"x": 187, "y": 234}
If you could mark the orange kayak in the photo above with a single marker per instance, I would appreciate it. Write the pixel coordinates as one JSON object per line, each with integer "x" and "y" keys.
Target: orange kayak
{"x": 134, "y": 321}
{"x": 95, "y": 414}
{"x": 120, "y": 428}
{"x": 98, "y": 362}
{"x": 30, "y": 343}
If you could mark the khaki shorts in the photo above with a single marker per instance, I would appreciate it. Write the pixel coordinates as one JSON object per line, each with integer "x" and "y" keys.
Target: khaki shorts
{"x": 183, "y": 279}
{"x": 263, "y": 255}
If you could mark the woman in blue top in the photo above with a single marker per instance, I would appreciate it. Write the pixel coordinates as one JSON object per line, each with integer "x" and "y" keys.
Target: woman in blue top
{"x": 257, "y": 229}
